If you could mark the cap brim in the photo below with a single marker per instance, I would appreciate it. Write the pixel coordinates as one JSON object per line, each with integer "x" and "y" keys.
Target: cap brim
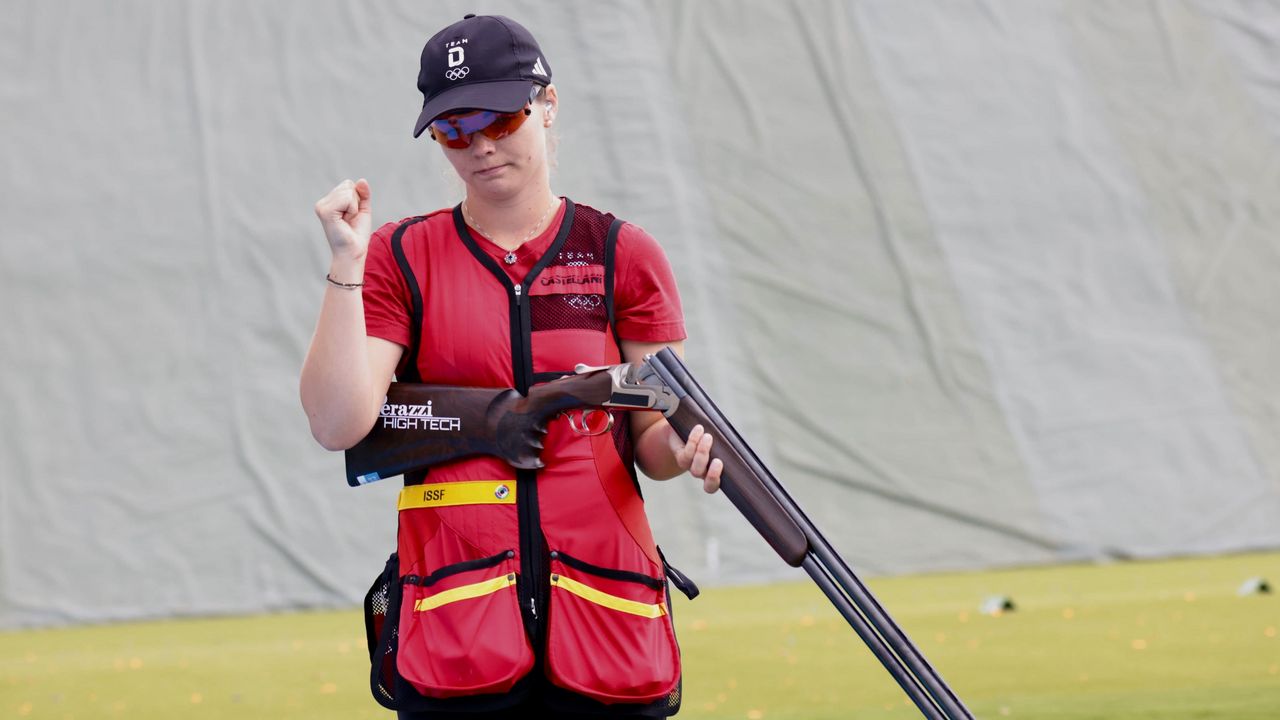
{"x": 499, "y": 96}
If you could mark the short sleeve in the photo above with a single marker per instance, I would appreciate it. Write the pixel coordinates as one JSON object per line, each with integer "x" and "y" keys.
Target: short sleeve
{"x": 646, "y": 300}
{"x": 386, "y": 297}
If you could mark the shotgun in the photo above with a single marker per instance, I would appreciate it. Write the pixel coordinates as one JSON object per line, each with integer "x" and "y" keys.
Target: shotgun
{"x": 424, "y": 425}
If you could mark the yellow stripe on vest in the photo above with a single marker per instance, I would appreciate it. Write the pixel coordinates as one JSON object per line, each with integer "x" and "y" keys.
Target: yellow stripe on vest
{"x": 465, "y": 592}
{"x": 483, "y": 492}
{"x": 614, "y": 602}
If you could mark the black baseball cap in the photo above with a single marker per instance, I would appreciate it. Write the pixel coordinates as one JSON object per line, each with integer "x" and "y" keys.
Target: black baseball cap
{"x": 482, "y": 62}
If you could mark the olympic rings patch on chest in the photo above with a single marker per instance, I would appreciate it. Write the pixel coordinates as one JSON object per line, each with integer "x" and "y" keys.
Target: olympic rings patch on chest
{"x": 584, "y": 302}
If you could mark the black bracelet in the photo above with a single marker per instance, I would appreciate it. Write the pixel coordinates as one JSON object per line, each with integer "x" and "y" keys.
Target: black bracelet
{"x": 344, "y": 286}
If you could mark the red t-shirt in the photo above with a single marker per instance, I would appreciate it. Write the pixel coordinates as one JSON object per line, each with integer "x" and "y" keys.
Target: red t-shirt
{"x": 646, "y": 301}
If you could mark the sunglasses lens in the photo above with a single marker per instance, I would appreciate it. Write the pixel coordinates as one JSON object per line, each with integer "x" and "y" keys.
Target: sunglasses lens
{"x": 505, "y": 124}
{"x": 455, "y": 131}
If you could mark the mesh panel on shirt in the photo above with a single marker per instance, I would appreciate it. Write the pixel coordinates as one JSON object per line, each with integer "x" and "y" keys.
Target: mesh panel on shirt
{"x": 588, "y": 225}
{"x": 564, "y": 312}
{"x": 574, "y": 310}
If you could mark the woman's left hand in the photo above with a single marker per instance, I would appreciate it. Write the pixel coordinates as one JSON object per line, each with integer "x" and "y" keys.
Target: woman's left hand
{"x": 695, "y": 457}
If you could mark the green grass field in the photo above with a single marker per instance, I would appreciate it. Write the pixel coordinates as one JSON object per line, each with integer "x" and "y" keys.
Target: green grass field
{"x": 1132, "y": 640}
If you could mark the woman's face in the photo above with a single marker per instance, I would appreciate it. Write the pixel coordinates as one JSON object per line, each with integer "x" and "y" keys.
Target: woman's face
{"x": 500, "y": 169}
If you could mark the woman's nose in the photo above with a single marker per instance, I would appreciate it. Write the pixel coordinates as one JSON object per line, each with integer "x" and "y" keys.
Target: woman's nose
{"x": 481, "y": 144}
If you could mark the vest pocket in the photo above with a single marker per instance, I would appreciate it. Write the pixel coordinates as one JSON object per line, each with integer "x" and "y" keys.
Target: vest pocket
{"x": 609, "y": 633}
{"x": 460, "y": 629}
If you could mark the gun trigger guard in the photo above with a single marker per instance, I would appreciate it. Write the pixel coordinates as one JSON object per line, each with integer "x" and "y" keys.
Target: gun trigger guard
{"x": 582, "y": 426}
{"x": 585, "y": 369}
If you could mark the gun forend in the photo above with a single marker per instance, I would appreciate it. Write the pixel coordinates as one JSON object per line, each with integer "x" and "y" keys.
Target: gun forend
{"x": 745, "y": 480}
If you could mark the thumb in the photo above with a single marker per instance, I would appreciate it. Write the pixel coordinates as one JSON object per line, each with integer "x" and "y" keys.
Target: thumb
{"x": 364, "y": 193}
{"x": 363, "y": 222}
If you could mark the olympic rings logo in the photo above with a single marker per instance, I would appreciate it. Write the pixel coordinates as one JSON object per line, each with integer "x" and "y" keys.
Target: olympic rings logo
{"x": 457, "y": 74}
{"x": 584, "y": 302}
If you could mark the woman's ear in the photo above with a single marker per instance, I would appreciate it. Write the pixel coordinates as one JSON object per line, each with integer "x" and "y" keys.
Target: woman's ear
{"x": 549, "y": 104}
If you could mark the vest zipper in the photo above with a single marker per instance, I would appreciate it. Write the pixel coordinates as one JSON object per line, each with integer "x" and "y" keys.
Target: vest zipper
{"x": 531, "y": 539}
{"x": 520, "y": 341}
{"x": 531, "y": 549}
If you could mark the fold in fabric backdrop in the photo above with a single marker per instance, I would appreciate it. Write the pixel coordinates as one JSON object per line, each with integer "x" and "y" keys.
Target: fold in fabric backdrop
{"x": 984, "y": 283}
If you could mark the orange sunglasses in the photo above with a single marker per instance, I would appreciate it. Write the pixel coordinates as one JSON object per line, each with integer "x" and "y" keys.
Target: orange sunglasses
{"x": 455, "y": 131}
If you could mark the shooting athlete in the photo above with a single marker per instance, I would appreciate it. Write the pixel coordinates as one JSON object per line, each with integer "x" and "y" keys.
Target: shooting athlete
{"x": 518, "y": 590}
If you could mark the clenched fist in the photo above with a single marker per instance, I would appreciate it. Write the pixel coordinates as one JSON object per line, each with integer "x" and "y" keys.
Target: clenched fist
{"x": 345, "y": 215}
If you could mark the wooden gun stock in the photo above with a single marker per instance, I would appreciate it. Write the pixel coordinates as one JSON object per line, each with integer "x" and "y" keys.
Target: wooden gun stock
{"x": 424, "y": 425}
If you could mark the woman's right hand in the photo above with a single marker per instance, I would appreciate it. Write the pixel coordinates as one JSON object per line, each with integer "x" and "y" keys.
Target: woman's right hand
{"x": 347, "y": 222}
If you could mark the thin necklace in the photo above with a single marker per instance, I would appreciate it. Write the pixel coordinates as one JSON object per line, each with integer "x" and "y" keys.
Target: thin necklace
{"x": 510, "y": 258}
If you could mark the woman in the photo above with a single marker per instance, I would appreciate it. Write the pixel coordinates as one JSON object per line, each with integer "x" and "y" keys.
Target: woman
{"x": 537, "y": 590}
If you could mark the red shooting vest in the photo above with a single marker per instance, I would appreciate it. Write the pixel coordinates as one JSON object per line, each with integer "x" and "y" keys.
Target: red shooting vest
{"x": 554, "y": 569}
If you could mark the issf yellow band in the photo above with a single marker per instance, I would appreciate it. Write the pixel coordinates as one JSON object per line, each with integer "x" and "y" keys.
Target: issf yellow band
{"x": 477, "y": 492}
